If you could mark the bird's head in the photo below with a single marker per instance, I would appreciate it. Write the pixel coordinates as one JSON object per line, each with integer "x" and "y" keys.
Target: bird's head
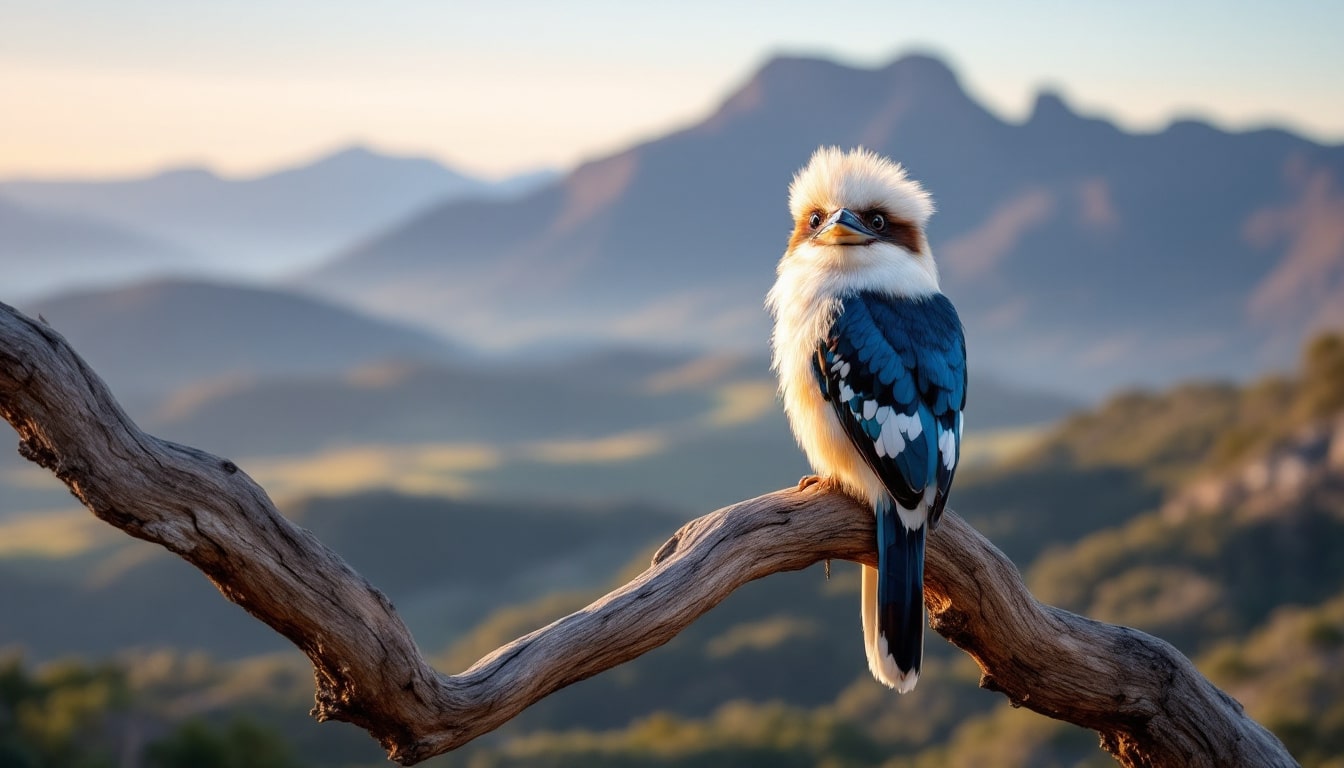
{"x": 856, "y": 213}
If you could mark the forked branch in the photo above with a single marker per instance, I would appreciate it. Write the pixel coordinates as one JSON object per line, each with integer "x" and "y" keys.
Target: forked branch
{"x": 1150, "y": 705}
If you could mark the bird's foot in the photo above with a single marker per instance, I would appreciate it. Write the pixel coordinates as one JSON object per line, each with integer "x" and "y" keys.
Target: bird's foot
{"x": 810, "y": 480}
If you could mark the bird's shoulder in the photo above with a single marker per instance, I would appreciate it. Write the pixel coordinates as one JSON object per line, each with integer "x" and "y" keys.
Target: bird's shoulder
{"x": 929, "y": 320}
{"x": 898, "y": 337}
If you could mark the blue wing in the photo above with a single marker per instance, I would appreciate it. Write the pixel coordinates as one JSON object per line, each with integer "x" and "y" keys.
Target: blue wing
{"x": 894, "y": 370}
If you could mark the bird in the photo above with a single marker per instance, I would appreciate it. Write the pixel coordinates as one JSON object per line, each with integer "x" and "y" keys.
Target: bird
{"x": 871, "y": 361}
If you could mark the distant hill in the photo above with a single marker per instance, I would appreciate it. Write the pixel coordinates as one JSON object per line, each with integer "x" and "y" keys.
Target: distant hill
{"x": 41, "y": 250}
{"x": 1220, "y": 555}
{"x": 268, "y": 224}
{"x": 155, "y": 337}
{"x": 479, "y": 399}
{"x": 1289, "y": 674}
{"x": 1080, "y": 255}
{"x": 616, "y": 423}
{"x": 314, "y": 398}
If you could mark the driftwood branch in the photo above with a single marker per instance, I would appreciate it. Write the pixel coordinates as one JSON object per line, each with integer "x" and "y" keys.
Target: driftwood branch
{"x": 1147, "y": 701}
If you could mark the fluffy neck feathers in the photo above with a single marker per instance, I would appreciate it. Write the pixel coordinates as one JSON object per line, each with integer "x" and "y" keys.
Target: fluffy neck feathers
{"x": 812, "y": 279}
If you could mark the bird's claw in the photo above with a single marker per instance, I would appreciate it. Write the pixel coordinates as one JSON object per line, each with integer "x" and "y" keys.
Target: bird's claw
{"x": 808, "y": 481}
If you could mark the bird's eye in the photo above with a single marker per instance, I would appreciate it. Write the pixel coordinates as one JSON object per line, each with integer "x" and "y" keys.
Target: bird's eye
{"x": 878, "y": 222}
{"x": 814, "y": 220}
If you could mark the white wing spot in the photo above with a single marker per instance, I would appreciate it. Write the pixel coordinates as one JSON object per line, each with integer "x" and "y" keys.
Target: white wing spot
{"x": 869, "y": 409}
{"x": 947, "y": 446}
{"x": 883, "y": 414}
{"x": 892, "y": 438}
{"x": 844, "y": 370}
{"x": 909, "y": 424}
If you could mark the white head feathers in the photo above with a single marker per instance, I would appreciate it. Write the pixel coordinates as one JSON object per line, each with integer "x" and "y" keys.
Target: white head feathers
{"x": 859, "y": 178}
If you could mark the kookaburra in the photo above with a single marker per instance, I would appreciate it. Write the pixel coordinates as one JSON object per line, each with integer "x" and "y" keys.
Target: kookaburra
{"x": 871, "y": 361}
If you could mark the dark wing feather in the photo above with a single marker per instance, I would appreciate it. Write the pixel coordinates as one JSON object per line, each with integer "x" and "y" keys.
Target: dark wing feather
{"x": 894, "y": 370}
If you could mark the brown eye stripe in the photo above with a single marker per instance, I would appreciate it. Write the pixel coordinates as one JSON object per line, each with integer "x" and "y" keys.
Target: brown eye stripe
{"x": 898, "y": 232}
{"x": 904, "y": 234}
{"x": 801, "y": 231}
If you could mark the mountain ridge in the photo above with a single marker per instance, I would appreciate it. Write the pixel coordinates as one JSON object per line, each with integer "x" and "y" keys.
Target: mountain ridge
{"x": 1076, "y": 251}
{"x": 268, "y": 223}
{"x": 53, "y": 246}
{"x": 151, "y": 338}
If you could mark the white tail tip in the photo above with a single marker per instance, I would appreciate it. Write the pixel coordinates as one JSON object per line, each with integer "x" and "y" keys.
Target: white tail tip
{"x": 884, "y": 668}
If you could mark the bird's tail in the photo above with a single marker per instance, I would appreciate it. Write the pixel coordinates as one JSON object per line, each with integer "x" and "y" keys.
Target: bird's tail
{"x": 893, "y": 602}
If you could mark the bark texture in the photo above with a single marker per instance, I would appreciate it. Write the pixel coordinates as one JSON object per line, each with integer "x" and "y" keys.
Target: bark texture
{"x": 1146, "y": 700}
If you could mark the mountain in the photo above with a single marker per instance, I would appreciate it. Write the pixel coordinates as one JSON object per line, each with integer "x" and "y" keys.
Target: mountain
{"x": 268, "y": 224}
{"x": 316, "y": 398}
{"x": 1080, "y": 255}
{"x": 154, "y": 337}
{"x": 41, "y": 250}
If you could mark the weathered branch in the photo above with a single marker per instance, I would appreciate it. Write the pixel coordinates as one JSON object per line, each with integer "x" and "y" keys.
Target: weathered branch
{"x": 1150, "y": 705}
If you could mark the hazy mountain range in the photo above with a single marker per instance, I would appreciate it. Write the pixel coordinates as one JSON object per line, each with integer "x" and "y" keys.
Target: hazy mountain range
{"x": 41, "y": 250}
{"x": 156, "y": 337}
{"x": 1079, "y": 254}
{"x": 264, "y": 225}
{"x": 1083, "y": 257}
{"x": 314, "y": 396}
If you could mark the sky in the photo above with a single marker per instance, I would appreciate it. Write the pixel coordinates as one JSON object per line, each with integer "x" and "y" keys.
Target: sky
{"x": 98, "y": 88}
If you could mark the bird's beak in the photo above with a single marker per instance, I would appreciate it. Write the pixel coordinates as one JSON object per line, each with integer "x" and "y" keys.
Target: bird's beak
{"x": 844, "y": 228}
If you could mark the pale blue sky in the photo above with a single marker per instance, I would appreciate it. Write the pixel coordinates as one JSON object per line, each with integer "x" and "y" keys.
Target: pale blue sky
{"x": 122, "y": 87}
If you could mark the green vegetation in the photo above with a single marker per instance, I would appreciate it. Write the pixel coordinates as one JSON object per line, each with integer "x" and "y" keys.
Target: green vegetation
{"x": 167, "y": 710}
{"x": 242, "y": 744}
{"x": 1289, "y": 675}
{"x": 71, "y": 715}
{"x": 59, "y": 717}
{"x": 739, "y": 733}
{"x": 1199, "y": 579}
{"x": 1194, "y": 429}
